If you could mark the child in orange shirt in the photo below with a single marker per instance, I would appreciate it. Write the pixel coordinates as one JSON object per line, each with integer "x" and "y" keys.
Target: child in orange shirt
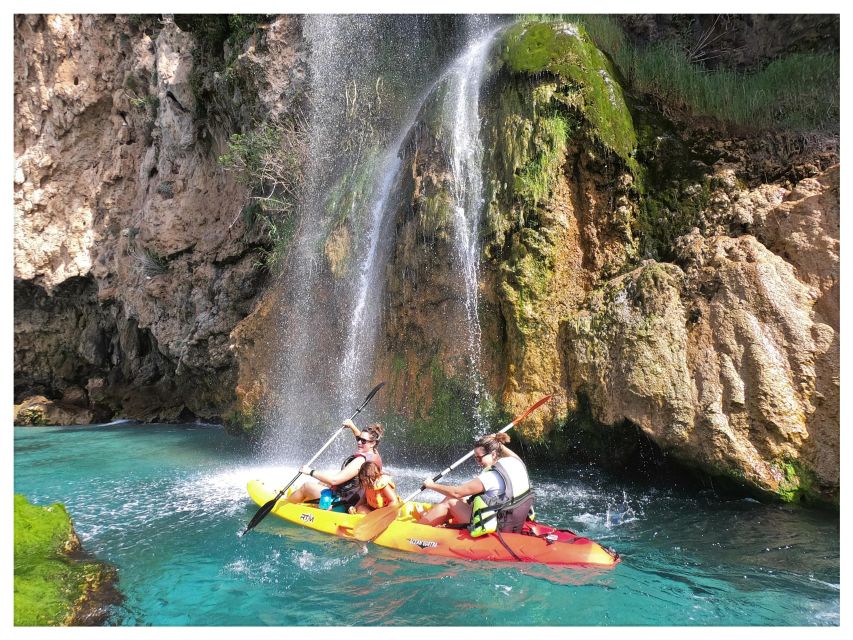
{"x": 379, "y": 489}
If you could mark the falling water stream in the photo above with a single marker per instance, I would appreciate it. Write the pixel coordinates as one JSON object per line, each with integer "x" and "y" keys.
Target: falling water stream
{"x": 330, "y": 329}
{"x": 466, "y": 161}
{"x": 329, "y": 322}
{"x": 461, "y": 83}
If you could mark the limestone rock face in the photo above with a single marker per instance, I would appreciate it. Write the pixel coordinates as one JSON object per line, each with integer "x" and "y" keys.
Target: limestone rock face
{"x": 39, "y": 410}
{"x": 729, "y": 359}
{"x": 117, "y": 184}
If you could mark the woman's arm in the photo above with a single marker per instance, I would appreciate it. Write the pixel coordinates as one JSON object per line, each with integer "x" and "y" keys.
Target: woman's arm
{"x": 349, "y": 424}
{"x": 336, "y": 477}
{"x": 389, "y": 496}
{"x": 456, "y": 491}
{"x": 361, "y": 502}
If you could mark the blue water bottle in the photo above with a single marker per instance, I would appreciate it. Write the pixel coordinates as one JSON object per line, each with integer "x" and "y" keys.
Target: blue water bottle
{"x": 326, "y": 499}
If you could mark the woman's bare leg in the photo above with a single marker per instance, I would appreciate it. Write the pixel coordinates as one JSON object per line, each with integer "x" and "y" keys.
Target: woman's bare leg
{"x": 460, "y": 512}
{"x": 440, "y": 513}
{"x": 308, "y": 491}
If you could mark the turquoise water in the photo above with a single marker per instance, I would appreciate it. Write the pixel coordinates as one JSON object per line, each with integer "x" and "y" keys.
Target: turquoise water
{"x": 165, "y": 504}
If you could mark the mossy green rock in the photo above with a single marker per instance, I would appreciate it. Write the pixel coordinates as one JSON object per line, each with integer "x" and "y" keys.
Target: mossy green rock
{"x": 50, "y": 587}
{"x": 588, "y": 78}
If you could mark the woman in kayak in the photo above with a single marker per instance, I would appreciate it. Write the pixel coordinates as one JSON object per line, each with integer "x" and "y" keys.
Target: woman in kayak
{"x": 344, "y": 484}
{"x": 503, "y": 486}
{"x": 378, "y": 489}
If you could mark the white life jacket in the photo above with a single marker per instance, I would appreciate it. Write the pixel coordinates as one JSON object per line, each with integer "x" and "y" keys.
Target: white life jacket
{"x": 514, "y": 475}
{"x": 509, "y": 510}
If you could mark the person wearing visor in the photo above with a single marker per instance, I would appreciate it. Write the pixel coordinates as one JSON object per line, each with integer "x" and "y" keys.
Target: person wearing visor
{"x": 340, "y": 490}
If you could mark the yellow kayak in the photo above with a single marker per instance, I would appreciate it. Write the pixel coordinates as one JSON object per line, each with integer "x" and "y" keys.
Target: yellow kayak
{"x": 537, "y": 543}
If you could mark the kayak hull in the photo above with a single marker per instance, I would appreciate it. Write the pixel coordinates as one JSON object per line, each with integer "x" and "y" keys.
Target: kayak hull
{"x": 404, "y": 534}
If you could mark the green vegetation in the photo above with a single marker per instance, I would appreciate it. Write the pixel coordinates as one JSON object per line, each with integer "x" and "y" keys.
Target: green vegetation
{"x": 147, "y": 262}
{"x": 798, "y": 483}
{"x": 48, "y": 584}
{"x": 588, "y": 80}
{"x": 435, "y": 213}
{"x": 145, "y": 102}
{"x": 534, "y": 182}
{"x": 526, "y": 277}
{"x": 667, "y": 214}
{"x": 799, "y": 92}
{"x": 269, "y": 159}
{"x": 348, "y": 199}
{"x": 166, "y": 189}
{"x": 443, "y": 423}
{"x": 32, "y": 416}
{"x": 214, "y": 34}
{"x": 244, "y": 422}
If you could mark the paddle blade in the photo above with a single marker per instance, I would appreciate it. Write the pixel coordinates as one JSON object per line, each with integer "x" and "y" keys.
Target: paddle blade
{"x": 375, "y": 522}
{"x": 372, "y": 393}
{"x": 262, "y": 513}
{"x": 530, "y": 409}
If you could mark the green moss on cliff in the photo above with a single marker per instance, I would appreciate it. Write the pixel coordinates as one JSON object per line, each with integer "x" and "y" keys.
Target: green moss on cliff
{"x": 244, "y": 422}
{"x": 447, "y": 421}
{"x": 49, "y": 586}
{"x": 435, "y": 213}
{"x": 798, "y": 483}
{"x": 556, "y": 96}
{"x": 624, "y": 314}
{"x": 216, "y": 34}
{"x": 587, "y": 78}
{"x": 798, "y": 91}
{"x": 675, "y": 187}
{"x": 534, "y": 182}
{"x": 347, "y": 199}
{"x": 526, "y": 276}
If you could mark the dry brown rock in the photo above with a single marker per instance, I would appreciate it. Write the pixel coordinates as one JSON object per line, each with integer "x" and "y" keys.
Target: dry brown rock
{"x": 117, "y": 183}
{"x": 732, "y": 363}
{"x": 38, "y": 410}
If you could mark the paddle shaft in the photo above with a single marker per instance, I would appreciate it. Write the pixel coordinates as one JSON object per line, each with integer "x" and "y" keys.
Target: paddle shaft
{"x": 326, "y": 446}
{"x": 440, "y": 475}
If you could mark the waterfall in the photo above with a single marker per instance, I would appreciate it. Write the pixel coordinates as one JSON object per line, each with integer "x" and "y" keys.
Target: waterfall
{"x": 462, "y": 112}
{"x": 330, "y": 328}
{"x": 347, "y": 54}
{"x": 462, "y": 81}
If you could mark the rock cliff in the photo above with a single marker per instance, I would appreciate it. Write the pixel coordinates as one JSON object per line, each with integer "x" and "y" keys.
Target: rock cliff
{"x": 679, "y": 279}
{"x": 729, "y": 358}
{"x": 132, "y": 261}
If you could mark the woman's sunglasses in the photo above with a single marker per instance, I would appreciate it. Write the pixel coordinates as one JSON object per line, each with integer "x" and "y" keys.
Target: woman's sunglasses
{"x": 360, "y": 440}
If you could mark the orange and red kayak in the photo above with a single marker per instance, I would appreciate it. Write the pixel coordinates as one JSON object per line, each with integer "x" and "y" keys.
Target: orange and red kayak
{"x": 537, "y": 543}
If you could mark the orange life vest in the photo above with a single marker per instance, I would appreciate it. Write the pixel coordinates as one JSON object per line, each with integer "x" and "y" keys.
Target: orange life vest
{"x": 374, "y": 496}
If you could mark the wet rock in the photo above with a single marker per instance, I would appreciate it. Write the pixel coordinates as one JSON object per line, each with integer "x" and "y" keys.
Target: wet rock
{"x": 732, "y": 363}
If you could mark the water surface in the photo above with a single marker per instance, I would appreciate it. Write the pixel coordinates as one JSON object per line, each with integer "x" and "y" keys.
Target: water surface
{"x": 166, "y": 503}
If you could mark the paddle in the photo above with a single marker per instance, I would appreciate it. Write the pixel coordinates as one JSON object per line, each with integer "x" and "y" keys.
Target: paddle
{"x": 268, "y": 506}
{"x": 375, "y": 522}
